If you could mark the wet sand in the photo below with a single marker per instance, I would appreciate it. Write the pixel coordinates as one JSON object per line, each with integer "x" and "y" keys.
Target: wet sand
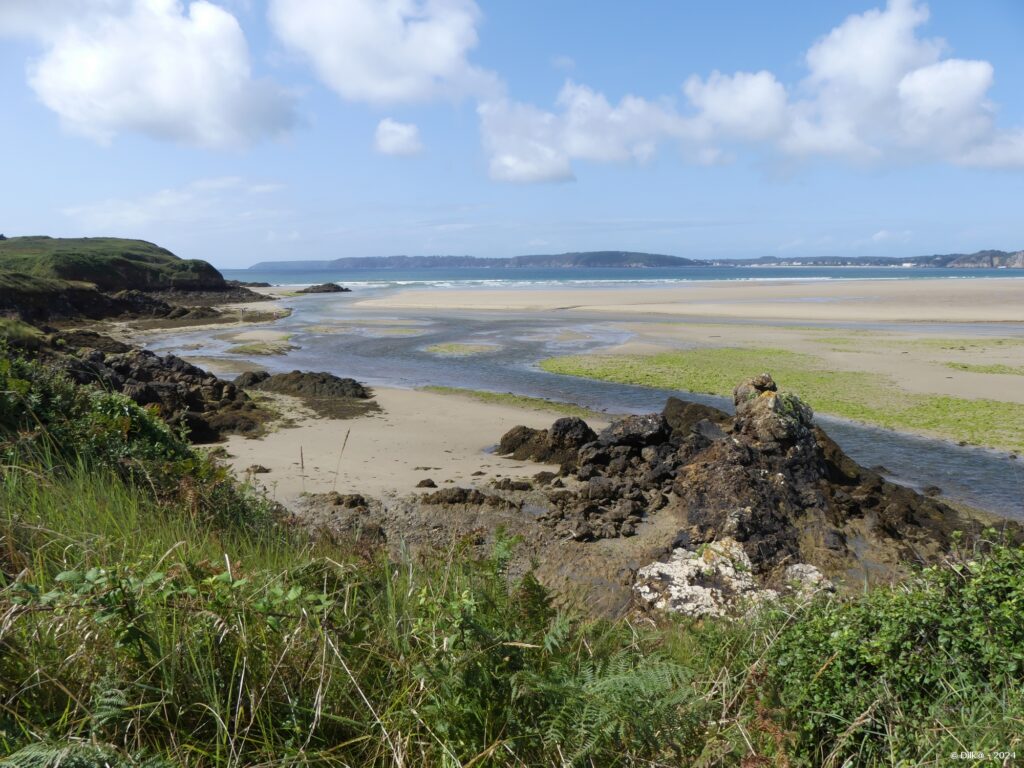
{"x": 869, "y": 301}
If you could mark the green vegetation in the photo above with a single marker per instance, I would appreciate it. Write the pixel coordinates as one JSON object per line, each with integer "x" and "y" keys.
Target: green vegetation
{"x": 19, "y": 334}
{"x": 861, "y": 396}
{"x": 1010, "y": 370}
{"x": 157, "y": 614}
{"x": 455, "y": 349}
{"x": 521, "y": 401}
{"x": 108, "y": 263}
{"x": 280, "y": 346}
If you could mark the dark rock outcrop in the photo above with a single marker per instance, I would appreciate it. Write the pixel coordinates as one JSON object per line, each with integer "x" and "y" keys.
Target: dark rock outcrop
{"x": 304, "y": 384}
{"x": 557, "y": 445}
{"x": 180, "y": 392}
{"x": 325, "y": 288}
{"x": 329, "y": 395}
{"x": 768, "y": 479}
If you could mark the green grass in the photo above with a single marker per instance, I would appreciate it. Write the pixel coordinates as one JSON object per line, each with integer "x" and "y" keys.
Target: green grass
{"x": 19, "y": 334}
{"x": 107, "y": 262}
{"x": 143, "y": 626}
{"x": 455, "y": 349}
{"x": 276, "y": 347}
{"x": 520, "y": 401}
{"x": 1010, "y": 370}
{"x": 865, "y": 397}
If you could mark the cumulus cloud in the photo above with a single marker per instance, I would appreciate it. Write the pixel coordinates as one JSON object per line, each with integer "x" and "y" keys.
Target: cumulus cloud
{"x": 157, "y": 67}
{"x": 387, "y": 51}
{"x": 526, "y": 144}
{"x": 394, "y": 138}
{"x": 875, "y": 90}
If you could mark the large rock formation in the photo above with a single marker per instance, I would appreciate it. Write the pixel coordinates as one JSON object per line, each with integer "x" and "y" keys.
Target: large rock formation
{"x": 180, "y": 392}
{"x": 325, "y": 288}
{"x": 329, "y": 395}
{"x": 767, "y": 480}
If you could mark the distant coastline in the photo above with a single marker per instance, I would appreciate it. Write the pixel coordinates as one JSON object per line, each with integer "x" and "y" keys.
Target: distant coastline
{"x": 986, "y": 259}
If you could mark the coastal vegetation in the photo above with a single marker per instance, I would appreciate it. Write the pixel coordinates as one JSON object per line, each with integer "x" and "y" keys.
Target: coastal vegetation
{"x": 156, "y": 613}
{"x": 108, "y": 263}
{"x": 870, "y": 398}
{"x": 456, "y": 349}
{"x": 997, "y": 368}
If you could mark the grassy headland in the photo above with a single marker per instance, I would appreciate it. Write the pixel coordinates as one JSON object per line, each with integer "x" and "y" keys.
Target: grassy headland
{"x": 871, "y": 398}
{"x": 106, "y": 262}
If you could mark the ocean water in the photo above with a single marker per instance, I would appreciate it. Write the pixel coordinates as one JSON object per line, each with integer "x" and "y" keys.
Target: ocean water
{"x": 501, "y": 277}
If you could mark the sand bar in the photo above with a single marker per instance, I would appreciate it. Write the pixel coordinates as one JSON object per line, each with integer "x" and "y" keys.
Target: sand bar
{"x": 935, "y": 300}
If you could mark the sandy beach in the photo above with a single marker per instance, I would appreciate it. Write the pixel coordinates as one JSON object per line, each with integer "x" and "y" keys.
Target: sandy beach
{"x": 942, "y": 300}
{"x": 417, "y": 435}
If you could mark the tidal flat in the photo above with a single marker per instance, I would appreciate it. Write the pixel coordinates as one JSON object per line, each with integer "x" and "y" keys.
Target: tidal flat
{"x": 872, "y": 398}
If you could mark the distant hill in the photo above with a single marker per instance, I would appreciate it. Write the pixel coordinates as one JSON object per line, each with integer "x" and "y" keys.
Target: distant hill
{"x": 981, "y": 259}
{"x": 615, "y": 259}
{"x": 109, "y": 263}
{"x": 635, "y": 260}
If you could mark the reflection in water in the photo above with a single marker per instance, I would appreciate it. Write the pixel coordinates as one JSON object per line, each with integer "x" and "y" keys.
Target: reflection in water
{"x": 391, "y": 350}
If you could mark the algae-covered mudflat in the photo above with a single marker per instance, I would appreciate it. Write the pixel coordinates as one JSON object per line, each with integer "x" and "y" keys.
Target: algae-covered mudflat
{"x": 456, "y": 349}
{"x": 868, "y": 397}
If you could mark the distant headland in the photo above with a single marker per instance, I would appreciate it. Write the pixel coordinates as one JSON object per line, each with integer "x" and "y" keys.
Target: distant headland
{"x": 635, "y": 260}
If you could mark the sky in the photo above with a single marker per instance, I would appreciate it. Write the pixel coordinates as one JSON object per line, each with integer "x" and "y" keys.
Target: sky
{"x": 240, "y": 131}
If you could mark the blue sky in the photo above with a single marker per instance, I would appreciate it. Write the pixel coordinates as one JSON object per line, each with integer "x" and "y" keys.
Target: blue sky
{"x": 245, "y": 130}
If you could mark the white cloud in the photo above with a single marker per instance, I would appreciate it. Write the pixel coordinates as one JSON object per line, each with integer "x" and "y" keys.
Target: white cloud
{"x": 394, "y": 138}
{"x": 876, "y": 91}
{"x": 747, "y": 105}
{"x": 157, "y": 67}
{"x": 523, "y": 143}
{"x": 526, "y": 144}
{"x": 387, "y": 51}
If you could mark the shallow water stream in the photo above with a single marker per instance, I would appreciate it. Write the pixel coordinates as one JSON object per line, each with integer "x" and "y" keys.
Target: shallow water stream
{"x": 390, "y": 349}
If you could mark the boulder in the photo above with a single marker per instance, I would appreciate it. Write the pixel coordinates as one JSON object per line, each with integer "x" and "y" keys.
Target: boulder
{"x": 635, "y": 431}
{"x": 558, "y": 445}
{"x": 682, "y": 415}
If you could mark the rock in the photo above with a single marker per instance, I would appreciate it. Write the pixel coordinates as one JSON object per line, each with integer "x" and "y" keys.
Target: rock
{"x": 931, "y": 490}
{"x": 304, "y": 384}
{"x": 257, "y": 469}
{"x": 251, "y": 379}
{"x": 805, "y": 580}
{"x": 450, "y": 496}
{"x": 715, "y": 581}
{"x": 558, "y": 445}
{"x": 682, "y": 415}
{"x": 769, "y": 415}
{"x": 180, "y": 392}
{"x": 426, "y": 483}
{"x": 635, "y": 431}
{"x": 767, "y": 479}
{"x": 508, "y": 484}
{"x": 524, "y": 443}
{"x": 325, "y": 288}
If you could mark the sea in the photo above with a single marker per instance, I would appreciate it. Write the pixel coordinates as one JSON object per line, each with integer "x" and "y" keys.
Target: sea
{"x": 521, "y": 277}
